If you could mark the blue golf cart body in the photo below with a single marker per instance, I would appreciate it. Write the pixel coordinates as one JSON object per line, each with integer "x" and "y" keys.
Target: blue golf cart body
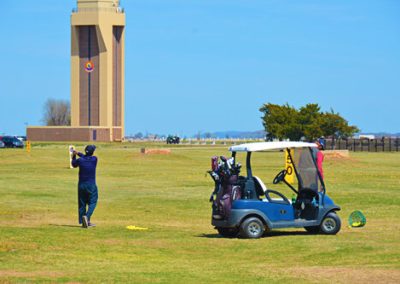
{"x": 259, "y": 210}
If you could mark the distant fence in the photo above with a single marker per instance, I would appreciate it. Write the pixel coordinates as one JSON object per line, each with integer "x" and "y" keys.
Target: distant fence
{"x": 364, "y": 144}
{"x": 389, "y": 144}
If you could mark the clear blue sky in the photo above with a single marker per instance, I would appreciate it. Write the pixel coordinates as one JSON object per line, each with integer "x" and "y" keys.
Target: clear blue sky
{"x": 208, "y": 65}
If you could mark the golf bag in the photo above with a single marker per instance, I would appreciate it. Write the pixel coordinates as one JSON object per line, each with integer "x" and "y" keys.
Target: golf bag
{"x": 225, "y": 175}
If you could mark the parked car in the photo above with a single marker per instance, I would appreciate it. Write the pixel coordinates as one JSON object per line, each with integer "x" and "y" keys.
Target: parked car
{"x": 21, "y": 138}
{"x": 173, "y": 139}
{"x": 2, "y": 145}
{"x": 12, "y": 142}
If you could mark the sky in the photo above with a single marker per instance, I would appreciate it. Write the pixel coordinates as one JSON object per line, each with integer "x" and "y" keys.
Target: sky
{"x": 209, "y": 65}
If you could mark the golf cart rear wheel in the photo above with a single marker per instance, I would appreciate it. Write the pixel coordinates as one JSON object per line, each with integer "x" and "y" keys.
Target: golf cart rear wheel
{"x": 228, "y": 232}
{"x": 312, "y": 229}
{"x": 330, "y": 224}
{"x": 252, "y": 228}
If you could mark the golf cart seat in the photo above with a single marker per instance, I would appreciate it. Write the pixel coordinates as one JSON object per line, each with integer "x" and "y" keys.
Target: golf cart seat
{"x": 306, "y": 203}
{"x": 308, "y": 194}
{"x": 260, "y": 186}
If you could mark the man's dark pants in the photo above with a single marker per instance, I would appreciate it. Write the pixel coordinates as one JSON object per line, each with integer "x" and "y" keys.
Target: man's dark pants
{"x": 87, "y": 196}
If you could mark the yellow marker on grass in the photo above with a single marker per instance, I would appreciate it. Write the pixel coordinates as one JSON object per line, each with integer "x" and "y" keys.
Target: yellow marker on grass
{"x": 134, "y": 228}
{"x": 28, "y": 146}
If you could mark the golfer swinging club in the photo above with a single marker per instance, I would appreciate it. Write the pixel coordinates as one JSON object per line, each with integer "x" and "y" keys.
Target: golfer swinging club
{"x": 87, "y": 188}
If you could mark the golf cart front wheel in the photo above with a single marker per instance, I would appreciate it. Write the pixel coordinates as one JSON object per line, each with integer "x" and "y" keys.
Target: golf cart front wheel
{"x": 252, "y": 228}
{"x": 330, "y": 224}
{"x": 228, "y": 232}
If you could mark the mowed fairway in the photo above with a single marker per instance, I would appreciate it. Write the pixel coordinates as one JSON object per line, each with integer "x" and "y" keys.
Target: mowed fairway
{"x": 40, "y": 239}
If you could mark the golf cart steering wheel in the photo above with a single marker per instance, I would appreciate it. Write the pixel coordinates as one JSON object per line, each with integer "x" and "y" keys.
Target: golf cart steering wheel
{"x": 279, "y": 177}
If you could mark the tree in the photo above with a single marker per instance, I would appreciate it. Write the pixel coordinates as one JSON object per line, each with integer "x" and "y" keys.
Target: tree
{"x": 56, "y": 112}
{"x": 138, "y": 135}
{"x": 207, "y": 135}
{"x": 310, "y": 121}
{"x": 198, "y": 135}
{"x": 286, "y": 122}
{"x": 336, "y": 126}
{"x": 281, "y": 122}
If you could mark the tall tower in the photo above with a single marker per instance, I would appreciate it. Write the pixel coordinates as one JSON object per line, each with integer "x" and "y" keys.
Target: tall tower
{"x": 97, "y": 76}
{"x": 97, "y": 67}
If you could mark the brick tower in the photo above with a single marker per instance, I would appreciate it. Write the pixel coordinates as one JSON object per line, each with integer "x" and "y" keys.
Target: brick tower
{"x": 97, "y": 66}
{"x": 97, "y": 75}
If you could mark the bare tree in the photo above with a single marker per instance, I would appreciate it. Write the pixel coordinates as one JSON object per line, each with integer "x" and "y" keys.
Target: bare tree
{"x": 56, "y": 112}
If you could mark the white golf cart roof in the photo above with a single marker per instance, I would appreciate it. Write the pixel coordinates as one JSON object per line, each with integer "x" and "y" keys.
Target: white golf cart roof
{"x": 270, "y": 146}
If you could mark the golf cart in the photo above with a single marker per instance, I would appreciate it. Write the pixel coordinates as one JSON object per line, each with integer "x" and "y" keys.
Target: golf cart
{"x": 244, "y": 206}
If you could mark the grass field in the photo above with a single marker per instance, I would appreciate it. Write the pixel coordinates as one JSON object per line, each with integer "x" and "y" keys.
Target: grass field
{"x": 40, "y": 240}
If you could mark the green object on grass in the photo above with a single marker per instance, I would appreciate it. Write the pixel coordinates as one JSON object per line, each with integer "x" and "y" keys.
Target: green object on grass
{"x": 357, "y": 219}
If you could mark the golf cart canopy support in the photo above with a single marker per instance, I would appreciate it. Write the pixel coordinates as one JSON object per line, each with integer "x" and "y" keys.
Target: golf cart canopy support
{"x": 249, "y": 148}
{"x": 270, "y": 146}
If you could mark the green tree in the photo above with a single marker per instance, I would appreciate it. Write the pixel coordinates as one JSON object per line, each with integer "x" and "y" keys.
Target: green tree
{"x": 336, "y": 126}
{"x": 286, "y": 122}
{"x": 281, "y": 122}
{"x": 138, "y": 135}
{"x": 207, "y": 135}
{"x": 310, "y": 120}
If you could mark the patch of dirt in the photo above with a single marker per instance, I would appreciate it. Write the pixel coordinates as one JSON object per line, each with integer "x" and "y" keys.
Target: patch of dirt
{"x": 335, "y": 158}
{"x": 7, "y": 246}
{"x": 336, "y": 154}
{"x": 26, "y": 274}
{"x": 154, "y": 244}
{"x": 110, "y": 242}
{"x": 155, "y": 151}
{"x": 346, "y": 274}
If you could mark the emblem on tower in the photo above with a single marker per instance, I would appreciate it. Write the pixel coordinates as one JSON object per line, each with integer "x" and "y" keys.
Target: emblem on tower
{"x": 89, "y": 66}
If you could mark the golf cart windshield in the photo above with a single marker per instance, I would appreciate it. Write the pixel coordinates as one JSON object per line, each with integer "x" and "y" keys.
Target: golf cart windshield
{"x": 303, "y": 161}
{"x": 307, "y": 172}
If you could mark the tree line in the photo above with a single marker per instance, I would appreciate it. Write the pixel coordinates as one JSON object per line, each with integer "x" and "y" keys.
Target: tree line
{"x": 280, "y": 121}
